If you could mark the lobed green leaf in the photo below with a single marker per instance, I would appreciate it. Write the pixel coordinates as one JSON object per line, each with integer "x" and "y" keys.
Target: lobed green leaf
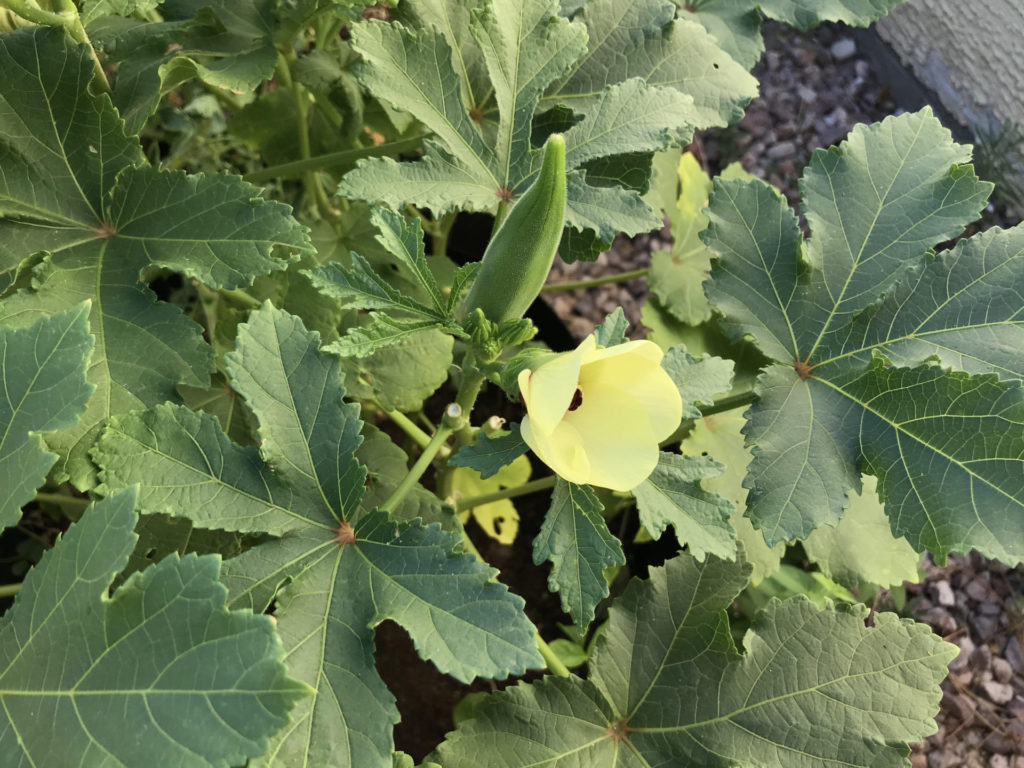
{"x": 193, "y": 683}
{"x": 828, "y": 313}
{"x": 335, "y": 568}
{"x": 813, "y": 688}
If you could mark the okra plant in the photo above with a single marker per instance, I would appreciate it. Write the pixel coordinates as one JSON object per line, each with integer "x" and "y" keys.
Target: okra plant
{"x": 242, "y": 372}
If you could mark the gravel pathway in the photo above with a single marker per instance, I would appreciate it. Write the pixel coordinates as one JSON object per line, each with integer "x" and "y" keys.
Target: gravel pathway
{"x": 814, "y": 88}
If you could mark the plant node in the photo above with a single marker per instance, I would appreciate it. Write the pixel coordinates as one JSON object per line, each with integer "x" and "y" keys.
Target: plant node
{"x": 105, "y": 230}
{"x": 504, "y": 193}
{"x": 345, "y": 535}
{"x": 619, "y": 730}
{"x": 803, "y": 369}
{"x": 476, "y": 114}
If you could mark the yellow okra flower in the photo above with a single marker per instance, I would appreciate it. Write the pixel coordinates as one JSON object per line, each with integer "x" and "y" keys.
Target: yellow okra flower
{"x": 597, "y": 415}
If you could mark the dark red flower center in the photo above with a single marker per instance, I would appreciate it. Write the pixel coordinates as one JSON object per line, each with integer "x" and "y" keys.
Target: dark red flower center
{"x": 577, "y": 399}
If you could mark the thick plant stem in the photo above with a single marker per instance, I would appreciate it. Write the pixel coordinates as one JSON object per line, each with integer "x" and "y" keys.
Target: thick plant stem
{"x": 533, "y": 486}
{"x": 472, "y": 380}
{"x": 9, "y": 590}
{"x": 29, "y": 11}
{"x": 596, "y": 281}
{"x": 417, "y": 470}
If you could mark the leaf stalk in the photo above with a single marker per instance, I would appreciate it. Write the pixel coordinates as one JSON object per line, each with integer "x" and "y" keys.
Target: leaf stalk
{"x": 728, "y": 403}
{"x": 417, "y": 470}
{"x": 541, "y": 484}
{"x": 10, "y": 590}
{"x": 555, "y": 665}
{"x": 297, "y": 168}
{"x": 593, "y": 282}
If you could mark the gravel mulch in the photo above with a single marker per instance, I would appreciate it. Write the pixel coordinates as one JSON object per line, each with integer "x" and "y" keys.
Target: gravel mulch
{"x": 814, "y": 88}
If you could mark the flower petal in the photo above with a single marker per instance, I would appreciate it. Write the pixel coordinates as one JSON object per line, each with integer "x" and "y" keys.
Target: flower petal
{"x": 548, "y": 390}
{"x": 617, "y": 436}
{"x": 563, "y": 450}
{"x": 639, "y": 375}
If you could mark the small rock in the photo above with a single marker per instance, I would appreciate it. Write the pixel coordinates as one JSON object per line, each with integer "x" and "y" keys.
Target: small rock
{"x": 990, "y": 609}
{"x": 1014, "y": 653}
{"x": 977, "y": 589}
{"x": 999, "y": 744}
{"x": 781, "y": 150}
{"x": 981, "y": 658}
{"x": 940, "y": 620}
{"x": 966, "y": 649}
{"x": 843, "y": 49}
{"x": 943, "y": 593}
{"x": 1000, "y": 693}
{"x": 958, "y": 705}
{"x": 999, "y": 761}
{"x": 920, "y": 760}
{"x": 1016, "y": 710}
{"x": 807, "y": 95}
{"x": 786, "y": 130}
{"x": 1001, "y": 670}
{"x": 984, "y": 627}
{"x": 941, "y": 758}
{"x": 962, "y": 679}
{"x": 1018, "y": 761}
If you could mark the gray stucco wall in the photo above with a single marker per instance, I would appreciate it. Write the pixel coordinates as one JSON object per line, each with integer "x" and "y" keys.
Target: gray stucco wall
{"x": 970, "y": 52}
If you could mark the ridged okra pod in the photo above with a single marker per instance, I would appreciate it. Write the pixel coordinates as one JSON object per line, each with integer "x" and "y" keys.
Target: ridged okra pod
{"x": 519, "y": 256}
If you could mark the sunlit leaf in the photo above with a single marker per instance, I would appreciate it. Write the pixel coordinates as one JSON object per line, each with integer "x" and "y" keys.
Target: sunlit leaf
{"x": 576, "y": 539}
{"x": 945, "y": 445}
{"x": 479, "y": 158}
{"x": 335, "y": 568}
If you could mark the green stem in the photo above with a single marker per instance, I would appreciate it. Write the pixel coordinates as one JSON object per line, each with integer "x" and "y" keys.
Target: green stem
{"x": 62, "y": 498}
{"x": 297, "y": 168}
{"x": 421, "y": 438}
{"x": 301, "y": 98}
{"x": 77, "y": 31}
{"x": 439, "y": 236}
{"x": 32, "y": 12}
{"x": 472, "y": 380}
{"x": 407, "y": 425}
{"x": 10, "y": 590}
{"x": 533, "y": 486}
{"x": 595, "y": 281}
{"x": 728, "y": 403}
{"x": 330, "y": 33}
{"x": 26, "y": 531}
{"x": 239, "y": 296}
{"x": 499, "y": 216}
{"x": 555, "y": 665}
{"x": 413, "y": 476}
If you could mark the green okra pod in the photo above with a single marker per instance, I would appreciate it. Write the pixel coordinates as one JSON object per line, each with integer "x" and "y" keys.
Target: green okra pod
{"x": 519, "y": 257}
